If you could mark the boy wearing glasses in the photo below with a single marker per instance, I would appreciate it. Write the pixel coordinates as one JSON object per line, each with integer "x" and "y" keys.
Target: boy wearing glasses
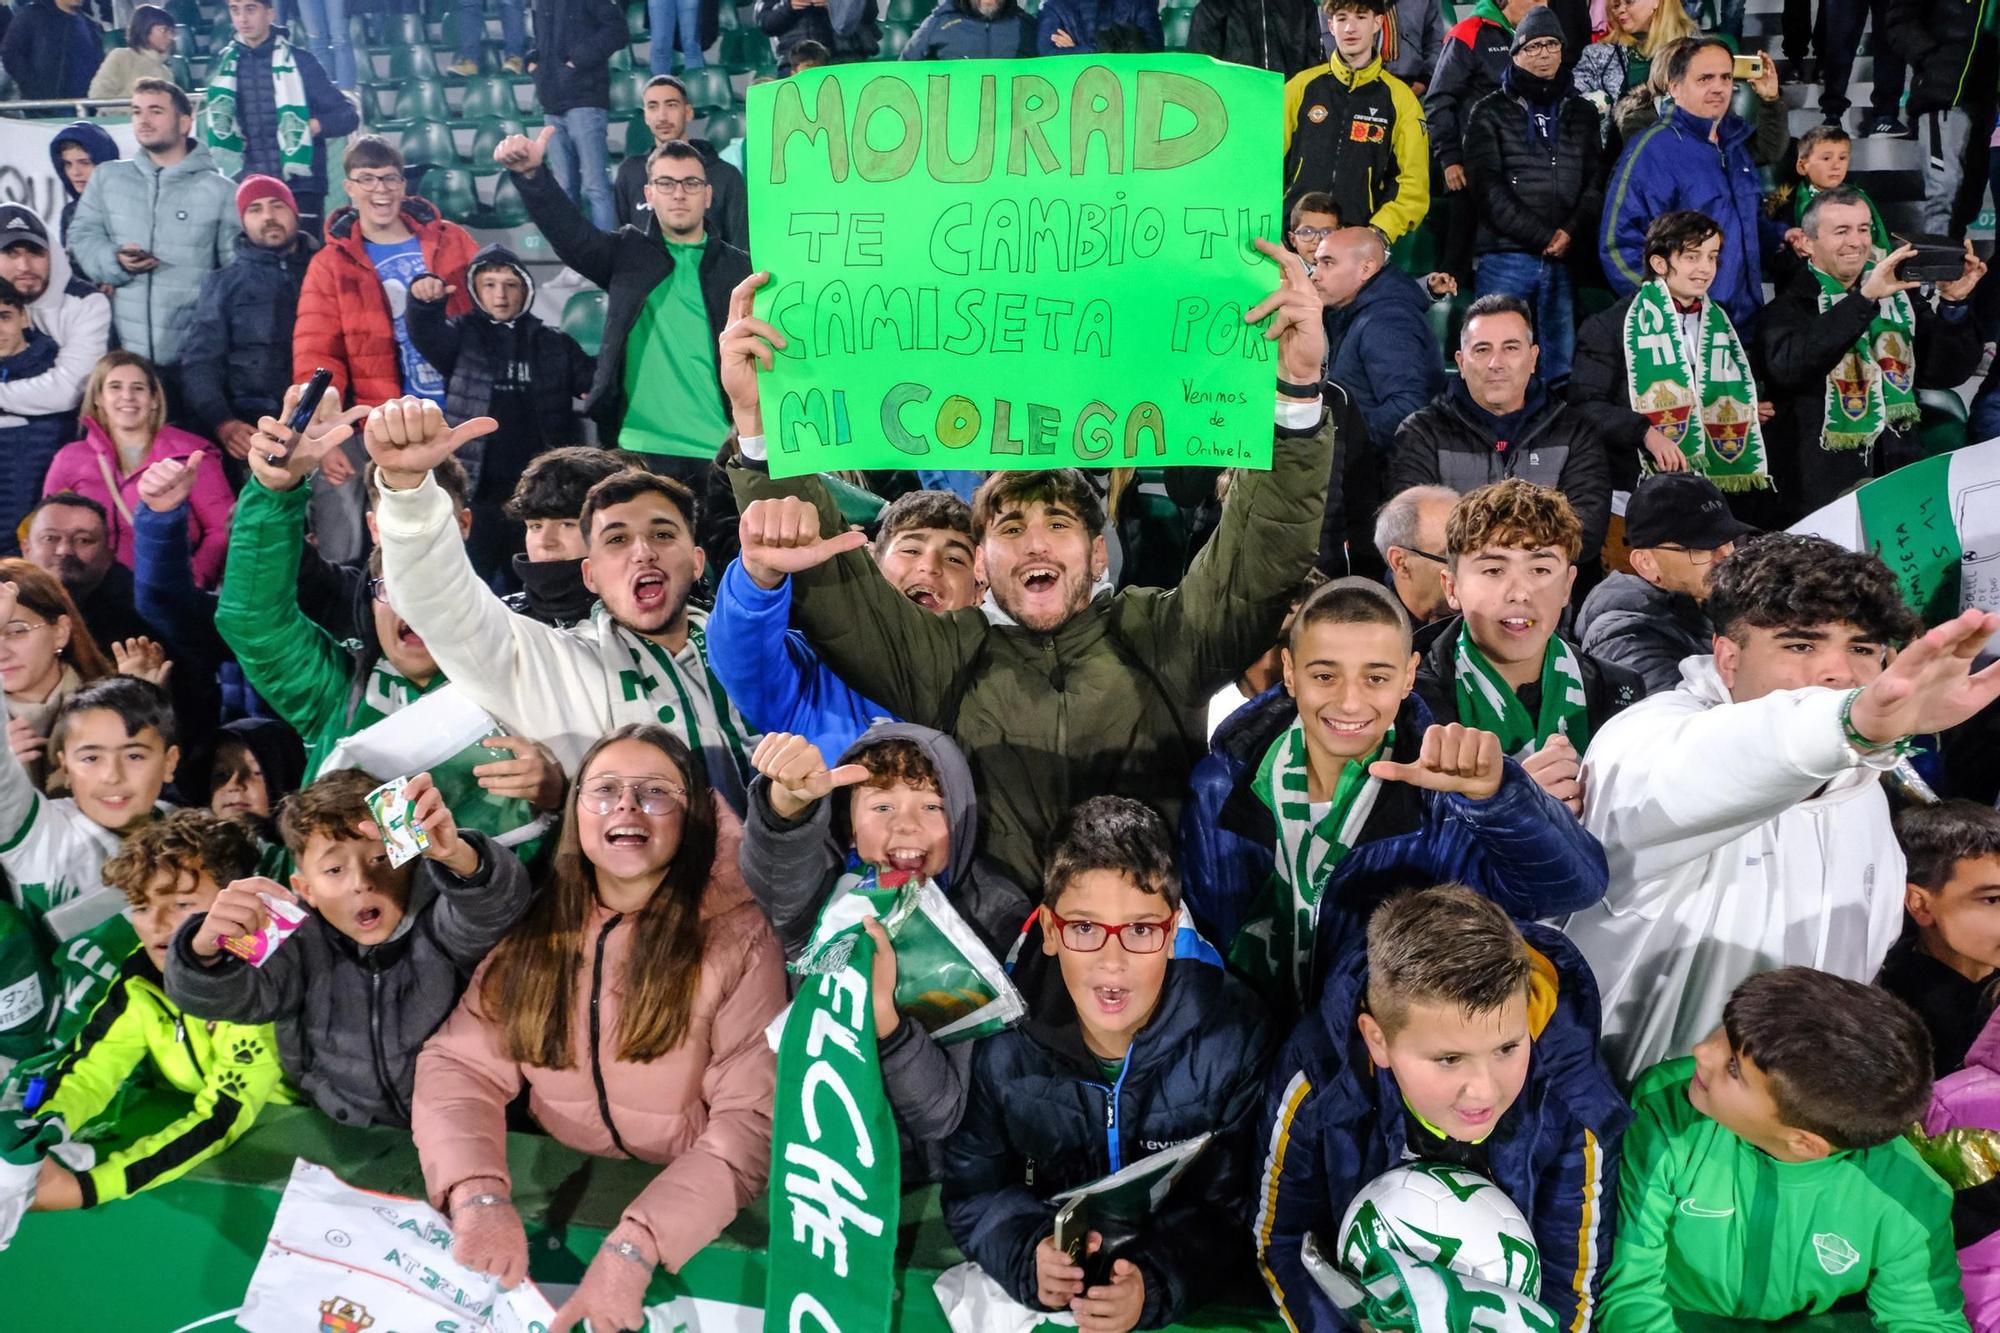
{"x": 1678, "y": 526}
{"x": 1135, "y": 1041}
{"x": 378, "y": 962}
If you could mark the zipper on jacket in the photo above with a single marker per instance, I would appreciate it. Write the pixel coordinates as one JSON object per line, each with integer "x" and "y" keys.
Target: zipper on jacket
{"x": 181, "y": 1036}
{"x": 388, "y": 1084}
{"x": 1111, "y": 1111}
{"x": 596, "y": 1061}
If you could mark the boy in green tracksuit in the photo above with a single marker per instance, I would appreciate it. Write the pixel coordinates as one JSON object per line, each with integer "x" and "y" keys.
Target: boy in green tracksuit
{"x": 169, "y": 870}
{"x": 1766, "y": 1176}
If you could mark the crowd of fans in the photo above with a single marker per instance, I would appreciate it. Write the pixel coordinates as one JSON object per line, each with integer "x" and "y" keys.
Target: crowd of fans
{"x": 1490, "y": 781}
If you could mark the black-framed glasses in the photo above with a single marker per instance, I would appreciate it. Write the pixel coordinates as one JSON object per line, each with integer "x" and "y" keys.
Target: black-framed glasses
{"x": 379, "y": 590}
{"x": 655, "y": 796}
{"x": 1312, "y": 233}
{"x": 1695, "y": 555}
{"x": 1428, "y": 555}
{"x": 1542, "y": 46}
{"x": 385, "y": 180}
{"x": 1090, "y": 936}
{"x": 678, "y": 184}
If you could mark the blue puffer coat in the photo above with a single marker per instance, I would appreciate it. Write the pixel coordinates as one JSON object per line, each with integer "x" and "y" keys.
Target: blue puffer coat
{"x": 956, "y": 30}
{"x": 1334, "y": 1122}
{"x": 1382, "y": 351}
{"x": 1084, "y": 19}
{"x": 1520, "y": 847}
{"x": 1040, "y": 1119}
{"x": 27, "y": 444}
{"x": 238, "y": 359}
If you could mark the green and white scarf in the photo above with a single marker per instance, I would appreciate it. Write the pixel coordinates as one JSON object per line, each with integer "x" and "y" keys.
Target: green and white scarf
{"x": 680, "y": 707}
{"x": 1488, "y": 702}
{"x": 836, "y": 1169}
{"x": 1875, "y": 383}
{"x": 1708, "y": 408}
{"x": 1274, "y": 947}
{"x": 224, "y": 136}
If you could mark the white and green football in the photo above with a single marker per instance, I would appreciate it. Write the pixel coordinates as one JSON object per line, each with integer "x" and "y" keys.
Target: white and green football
{"x": 1447, "y": 1215}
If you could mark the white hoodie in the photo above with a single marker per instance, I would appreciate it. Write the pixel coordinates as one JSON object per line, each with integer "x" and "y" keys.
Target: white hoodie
{"x": 1741, "y": 837}
{"x": 81, "y": 326}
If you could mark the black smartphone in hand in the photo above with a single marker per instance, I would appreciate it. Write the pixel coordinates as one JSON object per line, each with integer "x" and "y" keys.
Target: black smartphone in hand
{"x": 302, "y": 415}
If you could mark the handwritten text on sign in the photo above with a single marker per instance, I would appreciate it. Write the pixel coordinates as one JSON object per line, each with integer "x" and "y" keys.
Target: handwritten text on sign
{"x": 1016, "y": 264}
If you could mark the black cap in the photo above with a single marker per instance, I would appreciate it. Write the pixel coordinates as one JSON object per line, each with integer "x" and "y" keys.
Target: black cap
{"x": 1680, "y": 509}
{"x": 20, "y": 223}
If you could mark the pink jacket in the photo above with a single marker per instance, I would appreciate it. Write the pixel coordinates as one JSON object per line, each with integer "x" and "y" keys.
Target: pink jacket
{"x": 1970, "y": 1099}
{"x": 77, "y": 468}
{"x": 703, "y": 1110}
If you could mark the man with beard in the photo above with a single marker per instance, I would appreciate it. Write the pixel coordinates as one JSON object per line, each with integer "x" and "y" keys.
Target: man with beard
{"x": 239, "y": 351}
{"x": 1054, "y": 690}
{"x": 668, "y": 115}
{"x": 642, "y": 656}
{"x": 69, "y": 535}
{"x": 69, "y": 310}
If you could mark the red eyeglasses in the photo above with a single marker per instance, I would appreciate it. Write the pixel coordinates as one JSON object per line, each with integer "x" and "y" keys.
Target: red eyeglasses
{"x": 1090, "y": 936}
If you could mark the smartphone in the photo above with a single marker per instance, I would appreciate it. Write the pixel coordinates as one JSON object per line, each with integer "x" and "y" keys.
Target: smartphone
{"x": 1936, "y": 258}
{"x": 1749, "y": 69}
{"x": 302, "y": 415}
{"x": 1070, "y": 1229}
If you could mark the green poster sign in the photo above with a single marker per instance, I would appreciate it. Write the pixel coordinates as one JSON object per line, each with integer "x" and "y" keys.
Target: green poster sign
{"x": 1906, "y": 519}
{"x": 1016, "y": 263}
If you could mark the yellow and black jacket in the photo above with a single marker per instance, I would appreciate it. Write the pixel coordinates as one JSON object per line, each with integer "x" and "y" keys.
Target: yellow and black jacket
{"x": 230, "y": 1069}
{"x": 1358, "y": 134}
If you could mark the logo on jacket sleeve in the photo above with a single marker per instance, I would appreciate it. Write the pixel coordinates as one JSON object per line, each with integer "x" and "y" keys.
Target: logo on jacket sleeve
{"x": 1363, "y": 131}
{"x": 1836, "y": 1256}
{"x": 1317, "y": 114}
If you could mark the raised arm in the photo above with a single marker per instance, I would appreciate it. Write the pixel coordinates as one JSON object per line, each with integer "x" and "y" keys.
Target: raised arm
{"x": 86, "y": 333}
{"x": 576, "y": 241}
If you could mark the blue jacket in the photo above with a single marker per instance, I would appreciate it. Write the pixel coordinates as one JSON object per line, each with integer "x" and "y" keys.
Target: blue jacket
{"x": 1040, "y": 1119}
{"x": 1673, "y": 165}
{"x": 28, "y": 444}
{"x": 237, "y": 361}
{"x": 1335, "y": 1122}
{"x": 1380, "y": 348}
{"x": 1084, "y": 19}
{"x": 956, "y": 31}
{"x": 50, "y": 53}
{"x": 92, "y": 139}
{"x": 1520, "y": 847}
{"x": 773, "y": 675}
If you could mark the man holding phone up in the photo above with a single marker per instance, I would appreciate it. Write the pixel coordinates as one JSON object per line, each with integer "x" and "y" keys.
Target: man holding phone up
{"x": 1845, "y": 348}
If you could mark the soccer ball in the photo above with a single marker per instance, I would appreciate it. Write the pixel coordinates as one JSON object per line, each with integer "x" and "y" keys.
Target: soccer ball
{"x": 1447, "y": 1215}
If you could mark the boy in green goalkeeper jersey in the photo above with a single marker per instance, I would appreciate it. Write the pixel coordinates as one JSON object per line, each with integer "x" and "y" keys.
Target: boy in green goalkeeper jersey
{"x": 1766, "y": 1175}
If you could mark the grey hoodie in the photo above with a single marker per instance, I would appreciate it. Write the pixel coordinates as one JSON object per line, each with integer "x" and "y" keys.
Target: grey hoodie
{"x": 184, "y": 215}
{"x": 793, "y": 866}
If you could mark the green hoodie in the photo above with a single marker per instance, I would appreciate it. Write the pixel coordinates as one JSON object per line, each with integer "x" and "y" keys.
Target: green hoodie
{"x": 304, "y": 673}
{"x": 1709, "y": 1224}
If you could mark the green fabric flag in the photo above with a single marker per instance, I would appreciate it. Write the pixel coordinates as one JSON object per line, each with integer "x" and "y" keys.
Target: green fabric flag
{"x": 1274, "y": 945}
{"x": 1707, "y": 408}
{"x": 836, "y": 1169}
{"x": 1906, "y": 519}
{"x": 1488, "y": 702}
{"x": 224, "y": 136}
{"x": 1874, "y": 386}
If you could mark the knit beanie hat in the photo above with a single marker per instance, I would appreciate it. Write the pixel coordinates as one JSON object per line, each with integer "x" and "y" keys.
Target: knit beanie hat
{"x": 1537, "y": 23}
{"x": 256, "y": 187}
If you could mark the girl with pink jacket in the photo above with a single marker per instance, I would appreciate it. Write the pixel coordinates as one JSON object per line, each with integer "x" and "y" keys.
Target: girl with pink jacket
{"x": 125, "y": 432}
{"x": 631, "y": 1003}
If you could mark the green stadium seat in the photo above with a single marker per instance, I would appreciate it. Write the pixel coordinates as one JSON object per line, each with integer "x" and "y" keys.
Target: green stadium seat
{"x": 905, "y": 11}
{"x": 429, "y": 141}
{"x": 1174, "y": 27}
{"x": 407, "y": 62}
{"x": 583, "y": 318}
{"x": 621, "y": 59}
{"x": 405, "y": 30}
{"x": 420, "y": 99}
{"x": 1941, "y": 427}
{"x": 709, "y": 89}
{"x": 636, "y": 139}
{"x": 185, "y": 43}
{"x": 181, "y": 72}
{"x": 451, "y": 189}
{"x": 628, "y": 90}
{"x": 724, "y": 127}
{"x": 727, "y": 17}
{"x": 486, "y": 136}
{"x": 506, "y": 210}
{"x": 186, "y": 13}
{"x": 638, "y": 24}
{"x": 895, "y": 36}
{"x": 747, "y": 51}
{"x": 491, "y": 95}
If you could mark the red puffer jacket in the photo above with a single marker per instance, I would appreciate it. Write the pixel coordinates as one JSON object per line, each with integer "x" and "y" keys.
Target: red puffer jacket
{"x": 345, "y": 322}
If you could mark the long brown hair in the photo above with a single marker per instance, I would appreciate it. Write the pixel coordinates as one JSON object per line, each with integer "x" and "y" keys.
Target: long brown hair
{"x": 42, "y": 593}
{"x": 531, "y": 984}
{"x": 93, "y": 390}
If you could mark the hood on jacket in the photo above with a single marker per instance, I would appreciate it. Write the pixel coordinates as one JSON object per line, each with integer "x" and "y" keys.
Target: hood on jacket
{"x": 961, "y": 805}
{"x": 199, "y": 161}
{"x": 60, "y": 272}
{"x": 91, "y": 138}
{"x": 343, "y": 226}
{"x": 497, "y": 255}
{"x": 278, "y": 752}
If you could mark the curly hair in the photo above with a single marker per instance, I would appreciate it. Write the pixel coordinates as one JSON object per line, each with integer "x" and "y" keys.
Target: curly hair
{"x": 330, "y": 806}
{"x": 1514, "y": 514}
{"x": 1782, "y": 580}
{"x": 186, "y": 842}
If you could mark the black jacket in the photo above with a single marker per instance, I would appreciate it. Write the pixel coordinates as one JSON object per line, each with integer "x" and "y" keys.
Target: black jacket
{"x": 1952, "y": 59}
{"x": 1446, "y": 444}
{"x": 574, "y": 43}
{"x": 1598, "y": 393}
{"x": 476, "y": 354}
{"x": 257, "y": 116}
{"x": 1268, "y": 34}
{"x": 1530, "y": 188}
{"x": 728, "y": 202}
{"x": 787, "y": 27}
{"x": 237, "y": 361}
{"x": 1608, "y": 689}
{"x": 956, "y": 30}
{"x": 628, "y": 264}
{"x": 50, "y": 53}
{"x": 1644, "y": 628}
{"x": 1356, "y": 134}
{"x": 1799, "y": 348}
{"x": 1040, "y": 1118}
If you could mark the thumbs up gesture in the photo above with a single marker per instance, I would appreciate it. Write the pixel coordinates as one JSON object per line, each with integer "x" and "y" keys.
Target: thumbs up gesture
{"x": 799, "y": 774}
{"x": 517, "y": 152}
{"x": 1454, "y": 758}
